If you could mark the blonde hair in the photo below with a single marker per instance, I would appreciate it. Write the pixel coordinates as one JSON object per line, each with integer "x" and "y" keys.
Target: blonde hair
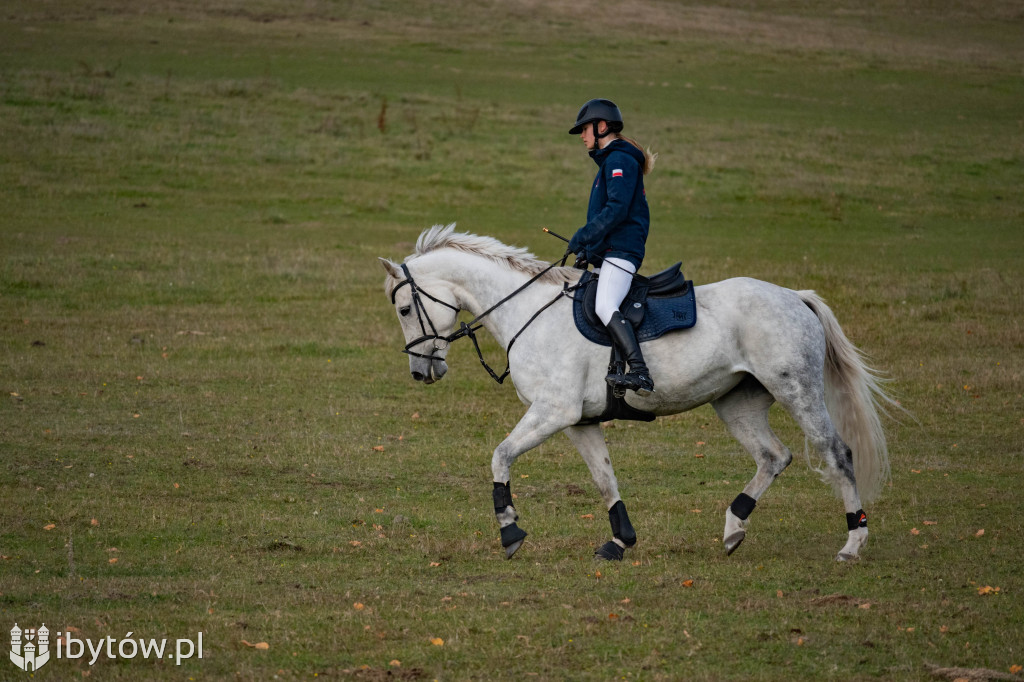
{"x": 649, "y": 156}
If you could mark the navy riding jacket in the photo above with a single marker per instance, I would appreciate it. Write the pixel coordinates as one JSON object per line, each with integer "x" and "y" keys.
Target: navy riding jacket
{"x": 618, "y": 218}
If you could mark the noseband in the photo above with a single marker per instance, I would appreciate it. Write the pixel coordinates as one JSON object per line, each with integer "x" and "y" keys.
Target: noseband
{"x": 467, "y": 328}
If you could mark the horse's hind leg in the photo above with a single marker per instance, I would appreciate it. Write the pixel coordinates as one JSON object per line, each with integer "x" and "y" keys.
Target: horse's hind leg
{"x": 806, "y": 403}
{"x": 589, "y": 440}
{"x": 745, "y": 411}
{"x": 818, "y": 427}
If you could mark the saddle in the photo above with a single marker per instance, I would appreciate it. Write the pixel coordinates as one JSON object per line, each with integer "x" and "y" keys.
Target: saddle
{"x": 655, "y": 305}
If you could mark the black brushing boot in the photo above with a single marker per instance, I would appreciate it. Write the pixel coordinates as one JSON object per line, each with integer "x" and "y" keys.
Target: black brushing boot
{"x": 638, "y": 378}
{"x": 622, "y": 530}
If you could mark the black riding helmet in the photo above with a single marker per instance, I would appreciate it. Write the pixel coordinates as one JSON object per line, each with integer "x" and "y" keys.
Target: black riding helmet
{"x": 598, "y": 110}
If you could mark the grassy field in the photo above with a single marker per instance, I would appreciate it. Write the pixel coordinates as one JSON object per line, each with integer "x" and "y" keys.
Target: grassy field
{"x": 206, "y": 425}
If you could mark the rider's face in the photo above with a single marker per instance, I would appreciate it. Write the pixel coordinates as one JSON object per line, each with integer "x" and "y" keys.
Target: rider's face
{"x": 587, "y": 134}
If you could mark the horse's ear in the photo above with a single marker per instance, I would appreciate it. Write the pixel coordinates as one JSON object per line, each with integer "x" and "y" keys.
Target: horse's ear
{"x": 391, "y": 268}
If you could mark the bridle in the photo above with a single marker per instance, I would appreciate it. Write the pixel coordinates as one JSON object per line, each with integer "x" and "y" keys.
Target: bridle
{"x": 421, "y": 315}
{"x": 467, "y": 328}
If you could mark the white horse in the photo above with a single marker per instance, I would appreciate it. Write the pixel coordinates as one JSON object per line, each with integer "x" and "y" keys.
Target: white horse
{"x": 754, "y": 343}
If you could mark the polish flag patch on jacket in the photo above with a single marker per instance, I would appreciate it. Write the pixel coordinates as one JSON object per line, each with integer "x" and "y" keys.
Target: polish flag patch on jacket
{"x": 617, "y": 173}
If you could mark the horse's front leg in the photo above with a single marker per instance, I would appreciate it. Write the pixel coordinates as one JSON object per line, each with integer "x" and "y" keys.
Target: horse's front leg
{"x": 540, "y": 422}
{"x": 589, "y": 440}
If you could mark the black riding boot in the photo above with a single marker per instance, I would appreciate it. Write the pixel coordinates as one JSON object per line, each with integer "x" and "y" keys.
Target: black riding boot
{"x": 638, "y": 378}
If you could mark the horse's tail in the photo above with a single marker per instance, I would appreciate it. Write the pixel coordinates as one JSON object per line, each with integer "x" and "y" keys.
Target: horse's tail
{"x": 854, "y": 397}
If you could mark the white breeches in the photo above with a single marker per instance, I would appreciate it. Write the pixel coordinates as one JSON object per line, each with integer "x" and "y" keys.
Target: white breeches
{"x": 612, "y": 286}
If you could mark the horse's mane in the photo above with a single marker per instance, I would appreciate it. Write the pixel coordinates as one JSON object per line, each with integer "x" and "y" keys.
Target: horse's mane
{"x": 513, "y": 257}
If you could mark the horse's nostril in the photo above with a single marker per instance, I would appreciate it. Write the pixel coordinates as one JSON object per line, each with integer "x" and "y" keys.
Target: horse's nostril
{"x": 418, "y": 376}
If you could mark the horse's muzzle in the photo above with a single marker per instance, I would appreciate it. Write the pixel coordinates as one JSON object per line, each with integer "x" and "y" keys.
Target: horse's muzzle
{"x": 429, "y": 371}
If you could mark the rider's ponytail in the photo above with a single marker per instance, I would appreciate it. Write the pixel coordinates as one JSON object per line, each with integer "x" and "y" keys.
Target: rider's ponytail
{"x": 649, "y": 156}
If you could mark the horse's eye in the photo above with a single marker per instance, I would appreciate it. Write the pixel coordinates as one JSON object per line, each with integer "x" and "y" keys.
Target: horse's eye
{"x": 404, "y": 311}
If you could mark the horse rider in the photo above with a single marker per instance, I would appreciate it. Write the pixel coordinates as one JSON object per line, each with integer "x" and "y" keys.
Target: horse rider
{"x": 618, "y": 220}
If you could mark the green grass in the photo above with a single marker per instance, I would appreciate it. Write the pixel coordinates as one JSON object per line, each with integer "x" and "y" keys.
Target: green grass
{"x": 196, "y": 352}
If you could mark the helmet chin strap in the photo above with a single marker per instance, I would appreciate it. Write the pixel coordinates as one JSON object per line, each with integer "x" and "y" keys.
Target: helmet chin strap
{"x": 600, "y": 136}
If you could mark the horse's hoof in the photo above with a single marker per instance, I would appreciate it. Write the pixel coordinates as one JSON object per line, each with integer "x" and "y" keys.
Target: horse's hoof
{"x": 609, "y": 551}
{"x": 511, "y": 549}
{"x": 842, "y": 556}
{"x": 734, "y": 541}
{"x": 512, "y": 537}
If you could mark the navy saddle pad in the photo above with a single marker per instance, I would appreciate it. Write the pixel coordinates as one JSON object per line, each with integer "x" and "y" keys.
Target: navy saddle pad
{"x": 655, "y": 305}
